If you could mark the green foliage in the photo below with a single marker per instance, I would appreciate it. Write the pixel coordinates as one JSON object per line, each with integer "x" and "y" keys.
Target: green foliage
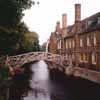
{"x": 13, "y": 32}
{"x": 12, "y": 11}
{"x": 8, "y": 39}
{"x": 17, "y": 40}
{"x": 43, "y": 47}
{"x": 31, "y": 42}
{"x": 4, "y": 72}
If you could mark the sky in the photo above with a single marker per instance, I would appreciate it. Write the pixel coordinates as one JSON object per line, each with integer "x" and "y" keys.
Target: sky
{"x": 42, "y": 17}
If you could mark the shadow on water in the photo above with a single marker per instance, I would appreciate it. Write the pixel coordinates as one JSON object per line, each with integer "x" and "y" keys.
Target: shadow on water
{"x": 77, "y": 88}
{"x": 21, "y": 84}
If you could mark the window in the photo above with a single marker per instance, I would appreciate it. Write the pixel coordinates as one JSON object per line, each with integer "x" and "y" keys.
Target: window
{"x": 88, "y": 41}
{"x": 69, "y": 44}
{"x": 73, "y": 43}
{"x": 57, "y": 32}
{"x": 81, "y": 56}
{"x": 81, "y": 42}
{"x": 98, "y": 20}
{"x": 59, "y": 44}
{"x": 66, "y": 44}
{"x": 93, "y": 58}
{"x": 94, "y": 40}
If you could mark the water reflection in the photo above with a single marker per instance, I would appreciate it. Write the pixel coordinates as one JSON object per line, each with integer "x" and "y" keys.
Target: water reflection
{"x": 43, "y": 88}
{"x": 39, "y": 82}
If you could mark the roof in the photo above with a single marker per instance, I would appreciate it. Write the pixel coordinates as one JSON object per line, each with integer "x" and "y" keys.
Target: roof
{"x": 91, "y": 23}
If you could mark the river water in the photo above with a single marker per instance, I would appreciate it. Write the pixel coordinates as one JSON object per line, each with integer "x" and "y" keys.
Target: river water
{"x": 45, "y": 88}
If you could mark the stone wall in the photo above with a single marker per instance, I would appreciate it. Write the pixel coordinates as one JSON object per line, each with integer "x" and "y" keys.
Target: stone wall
{"x": 83, "y": 73}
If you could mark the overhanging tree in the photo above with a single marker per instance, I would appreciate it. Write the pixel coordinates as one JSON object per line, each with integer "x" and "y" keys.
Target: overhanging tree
{"x": 11, "y": 28}
{"x": 12, "y": 11}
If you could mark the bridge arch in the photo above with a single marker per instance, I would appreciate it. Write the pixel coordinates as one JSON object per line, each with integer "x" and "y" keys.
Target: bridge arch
{"x": 20, "y": 60}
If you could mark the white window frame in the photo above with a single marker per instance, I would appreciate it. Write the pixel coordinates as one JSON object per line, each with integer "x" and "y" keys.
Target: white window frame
{"x": 69, "y": 43}
{"x": 93, "y": 58}
{"x": 88, "y": 41}
{"x": 94, "y": 40}
{"x": 73, "y": 43}
{"x": 81, "y": 42}
{"x": 66, "y": 44}
{"x": 59, "y": 44}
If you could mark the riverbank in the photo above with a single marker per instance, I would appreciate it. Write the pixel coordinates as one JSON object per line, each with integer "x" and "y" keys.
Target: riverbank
{"x": 17, "y": 85}
{"x": 77, "y": 72}
{"x": 93, "y": 76}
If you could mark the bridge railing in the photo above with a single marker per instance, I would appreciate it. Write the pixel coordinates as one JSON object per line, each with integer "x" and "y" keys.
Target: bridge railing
{"x": 33, "y": 56}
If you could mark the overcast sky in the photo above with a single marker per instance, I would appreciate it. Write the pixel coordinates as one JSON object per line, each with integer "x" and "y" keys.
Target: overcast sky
{"x": 42, "y": 18}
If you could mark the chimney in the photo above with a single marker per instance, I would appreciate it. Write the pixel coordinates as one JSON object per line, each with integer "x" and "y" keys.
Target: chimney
{"x": 64, "y": 21}
{"x": 77, "y": 18}
{"x": 77, "y": 13}
{"x": 58, "y": 27}
{"x": 64, "y": 25}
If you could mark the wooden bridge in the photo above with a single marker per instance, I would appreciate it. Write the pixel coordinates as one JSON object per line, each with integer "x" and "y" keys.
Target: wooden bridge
{"x": 20, "y": 60}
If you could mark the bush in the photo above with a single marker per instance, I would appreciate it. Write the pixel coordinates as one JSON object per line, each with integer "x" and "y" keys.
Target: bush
{"x": 4, "y": 72}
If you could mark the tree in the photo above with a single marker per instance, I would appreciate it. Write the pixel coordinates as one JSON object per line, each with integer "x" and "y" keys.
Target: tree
{"x": 12, "y": 30}
{"x": 8, "y": 39}
{"x": 12, "y": 11}
{"x": 44, "y": 46}
{"x": 31, "y": 42}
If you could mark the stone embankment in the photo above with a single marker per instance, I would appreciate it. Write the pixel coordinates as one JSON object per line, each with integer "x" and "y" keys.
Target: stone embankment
{"x": 83, "y": 73}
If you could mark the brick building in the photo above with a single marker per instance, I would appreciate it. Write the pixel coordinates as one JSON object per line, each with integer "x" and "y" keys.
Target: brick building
{"x": 56, "y": 43}
{"x": 52, "y": 46}
{"x": 80, "y": 42}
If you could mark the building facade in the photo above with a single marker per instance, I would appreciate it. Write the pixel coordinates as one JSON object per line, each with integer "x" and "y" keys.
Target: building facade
{"x": 53, "y": 45}
{"x": 80, "y": 42}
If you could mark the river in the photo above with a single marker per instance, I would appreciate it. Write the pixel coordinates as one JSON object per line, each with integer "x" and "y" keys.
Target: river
{"x": 45, "y": 88}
